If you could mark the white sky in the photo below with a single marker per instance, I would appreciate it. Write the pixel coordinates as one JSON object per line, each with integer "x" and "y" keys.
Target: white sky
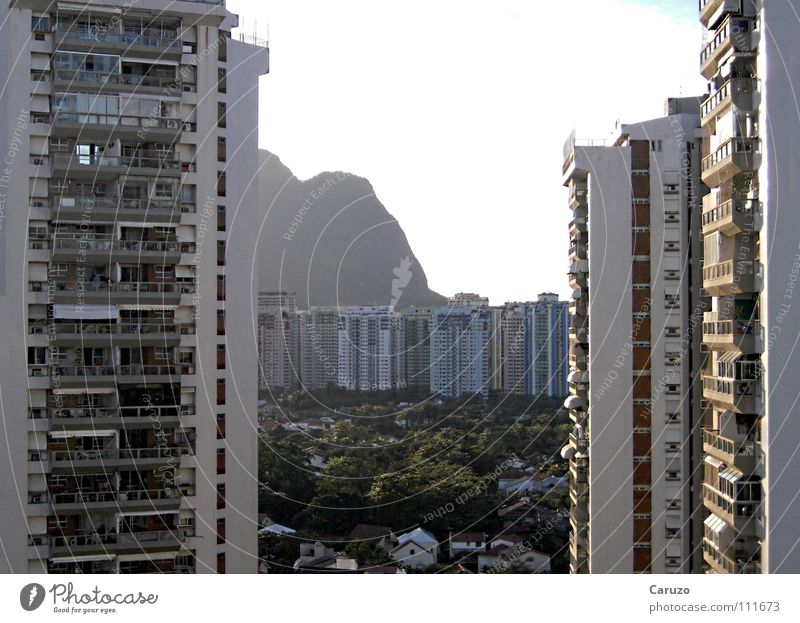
{"x": 457, "y": 111}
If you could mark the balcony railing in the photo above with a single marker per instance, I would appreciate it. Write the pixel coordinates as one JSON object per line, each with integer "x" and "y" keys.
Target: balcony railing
{"x": 730, "y": 448}
{"x": 113, "y": 541}
{"x": 146, "y": 411}
{"x": 119, "y": 454}
{"x": 736, "y": 32}
{"x": 85, "y": 243}
{"x": 141, "y": 287}
{"x": 120, "y": 497}
{"x": 732, "y": 216}
{"x": 127, "y": 370}
{"x": 151, "y": 160}
{"x": 92, "y": 203}
{"x": 118, "y": 121}
{"x": 732, "y": 277}
{"x": 740, "y": 148}
{"x": 730, "y": 333}
{"x": 727, "y": 564}
{"x": 121, "y": 328}
{"x": 737, "y": 90}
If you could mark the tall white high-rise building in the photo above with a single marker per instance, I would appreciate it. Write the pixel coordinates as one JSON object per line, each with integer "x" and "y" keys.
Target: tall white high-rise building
{"x": 130, "y": 211}
{"x": 635, "y": 346}
{"x": 751, "y": 263}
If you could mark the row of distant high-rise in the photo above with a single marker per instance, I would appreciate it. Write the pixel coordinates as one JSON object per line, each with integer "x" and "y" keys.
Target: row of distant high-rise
{"x": 684, "y": 261}
{"x": 465, "y": 347}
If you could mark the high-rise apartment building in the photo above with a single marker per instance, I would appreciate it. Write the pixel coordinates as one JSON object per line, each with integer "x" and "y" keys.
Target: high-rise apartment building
{"x": 634, "y": 350}
{"x": 459, "y": 362}
{"x": 535, "y": 346}
{"x": 751, "y": 259}
{"x": 129, "y": 448}
{"x": 319, "y": 347}
{"x": 278, "y": 340}
{"x": 370, "y": 348}
{"x": 417, "y": 347}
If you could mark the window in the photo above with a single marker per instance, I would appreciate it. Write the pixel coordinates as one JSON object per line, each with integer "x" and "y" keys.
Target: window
{"x": 220, "y": 391}
{"x": 220, "y": 322}
{"x": 161, "y": 352}
{"x": 220, "y": 426}
{"x": 673, "y": 476}
{"x": 59, "y": 145}
{"x": 221, "y": 495}
{"x": 220, "y": 218}
{"x": 220, "y": 530}
{"x": 412, "y": 551}
{"x": 162, "y": 271}
{"x": 221, "y": 115}
{"x": 656, "y": 145}
{"x": 221, "y": 562}
{"x": 220, "y": 253}
{"x": 220, "y": 287}
{"x": 220, "y": 356}
{"x": 220, "y": 460}
{"x": 37, "y": 355}
{"x": 163, "y": 190}
{"x": 58, "y": 270}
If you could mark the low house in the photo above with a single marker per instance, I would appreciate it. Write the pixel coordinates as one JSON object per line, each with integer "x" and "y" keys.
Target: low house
{"x": 379, "y": 536}
{"x": 514, "y": 481}
{"x": 276, "y": 528}
{"x": 416, "y": 549}
{"x": 317, "y": 558}
{"x": 316, "y": 458}
{"x": 506, "y": 540}
{"x": 466, "y": 542}
{"x": 502, "y": 556}
{"x": 519, "y": 512}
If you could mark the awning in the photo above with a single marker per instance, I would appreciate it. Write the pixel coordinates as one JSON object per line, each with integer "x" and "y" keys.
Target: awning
{"x": 86, "y": 312}
{"x": 729, "y": 356}
{"x": 715, "y": 524}
{"x": 83, "y": 8}
{"x": 731, "y": 474}
{"x": 77, "y": 391}
{"x": 568, "y": 451}
{"x": 713, "y": 462}
{"x": 578, "y": 376}
{"x": 82, "y": 558}
{"x": 576, "y": 294}
{"x": 65, "y": 434}
{"x": 148, "y": 307}
{"x": 573, "y": 402}
{"x": 147, "y": 225}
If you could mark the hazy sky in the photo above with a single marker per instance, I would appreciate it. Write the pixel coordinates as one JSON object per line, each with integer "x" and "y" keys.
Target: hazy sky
{"x": 457, "y": 111}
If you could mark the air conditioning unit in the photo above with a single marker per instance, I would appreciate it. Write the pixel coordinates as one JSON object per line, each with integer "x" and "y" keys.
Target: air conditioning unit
{"x": 172, "y": 124}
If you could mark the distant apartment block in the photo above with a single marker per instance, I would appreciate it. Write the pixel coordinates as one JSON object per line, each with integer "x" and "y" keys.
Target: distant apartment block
{"x": 128, "y": 445}
{"x": 278, "y": 340}
{"x": 416, "y": 353}
{"x": 370, "y": 348}
{"x": 635, "y": 319}
{"x": 319, "y": 347}
{"x": 460, "y": 351}
{"x": 534, "y": 347}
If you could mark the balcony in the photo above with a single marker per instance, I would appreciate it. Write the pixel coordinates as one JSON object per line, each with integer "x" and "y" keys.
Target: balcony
{"x": 731, "y": 217}
{"x": 74, "y": 78}
{"x": 739, "y": 453}
{"x": 732, "y": 277}
{"x": 742, "y": 335}
{"x": 133, "y": 41}
{"x": 105, "y": 334}
{"x": 124, "y": 293}
{"x": 153, "y": 163}
{"x": 89, "y": 461}
{"x": 90, "y": 377}
{"x": 734, "y": 156}
{"x": 734, "y": 34}
{"x": 739, "y": 395}
{"x": 739, "y": 514}
{"x": 741, "y": 93}
{"x": 112, "y": 543}
{"x": 108, "y": 127}
{"x": 578, "y": 307}
{"x": 110, "y": 210}
{"x": 89, "y": 167}
{"x": 722, "y": 563}
{"x": 131, "y": 418}
{"x": 578, "y": 225}
{"x": 149, "y": 500}
{"x": 101, "y": 249}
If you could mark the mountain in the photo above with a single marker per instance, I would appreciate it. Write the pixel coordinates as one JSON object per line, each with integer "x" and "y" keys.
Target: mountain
{"x": 332, "y": 242}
